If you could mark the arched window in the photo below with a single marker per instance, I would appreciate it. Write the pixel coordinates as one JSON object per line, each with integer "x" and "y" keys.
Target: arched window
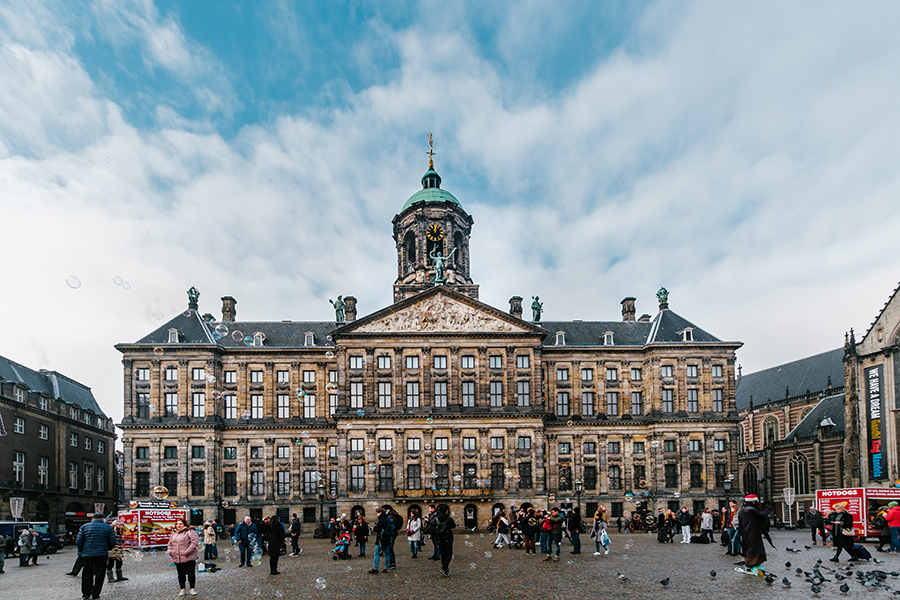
{"x": 751, "y": 480}
{"x": 798, "y": 474}
{"x": 770, "y": 430}
{"x": 409, "y": 245}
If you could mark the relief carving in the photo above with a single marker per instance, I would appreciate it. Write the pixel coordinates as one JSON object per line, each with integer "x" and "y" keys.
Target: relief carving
{"x": 438, "y": 314}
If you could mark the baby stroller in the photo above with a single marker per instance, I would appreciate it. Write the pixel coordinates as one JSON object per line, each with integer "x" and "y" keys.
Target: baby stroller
{"x": 342, "y": 547}
{"x": 516, "y": 539}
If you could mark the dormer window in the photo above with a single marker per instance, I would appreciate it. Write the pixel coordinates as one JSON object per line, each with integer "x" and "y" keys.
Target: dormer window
{"x": 608, "y": 338}
{"x": 560, "y": 338}
{"x": 173, "y": 336}
{"x": 687, "y": 335}
{"x": 310, "y": 339}
{"x": 20, "y": 395}
{"x": 258, "y": 339}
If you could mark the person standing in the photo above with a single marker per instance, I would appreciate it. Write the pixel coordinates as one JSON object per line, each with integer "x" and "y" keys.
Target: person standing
{"x": 528, "y": 525}
{"x": 706, "y": 524}
{"x": 753, "y": 523}
{"x": 116, "y": 554}
{"x": 37, "y": 545}
{"x": 94, "y": 541}
{"x": 729, "y": 522}
{"x": 555, "y": 533}
{"x": 379, "y": 531}
{"x": 619, "y": 524}
{"x": 685, "y": 519}
{"x": 816, "y": 521}
{"x": 209, "y": 542}
{"x": 443, "y": 530}
{"x": 275, "y": 536}
{"x": 183, "y": 545}
{"x": 893, "y": 520}
{"x": 436, "y": 554}
{"x": 24, "y": 547}
{"x": 242, "y": 534}
{"x": 843, "y": 531}
{"x": 296, "y": 527}
{"x": 574, "y": 527}
{"x": 414, "y": 531}
{"x": 361, "y": 531}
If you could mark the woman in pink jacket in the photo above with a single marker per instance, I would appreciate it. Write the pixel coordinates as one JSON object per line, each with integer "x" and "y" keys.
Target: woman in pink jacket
{"x": 183, "y": 550}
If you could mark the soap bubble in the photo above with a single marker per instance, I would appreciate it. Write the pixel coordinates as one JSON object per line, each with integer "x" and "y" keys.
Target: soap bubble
{"x": 225, "y": 505}
{"x": 248, "y": 341}
{"x": 73, "y": 282}
{"x": 256, "y": 560}
{"x": 434, "y": 474}
{"x": 278, "y": 593}
{"x": 469, "y": 544}
{"x": 654, "y": 444}
{"x": 570, "y": 422}
{"x": 237, "y": 335}
{"x": 320, "y": 580}
{"x": 245, "y": 415}
{"x": 677, "y": 495}
{"x": 429, "y": 420}
{"x": 331, "y": 388}
{"x": 629, "y": 496}
{"x": 126, "y": 285}
{"x": 221, "y": 329}
{"x": 320, "y": 586}
{"x": 361, "y": 413}
{"x": 487, "y": 554}
{"x": 117, "y": 280}
{"x": 327, "y": 338}
{"x": 211, "y": 378}
{"x": 372, "y": 466}
{"x": 473, "y": 566}
{"x": 624, "y": 557}
{"x": 570, "y": 561}
{"x": 157, "y": 314}
{"x": 158, "y": 351}
{"x": 457, "y": 477}
{"x": 629, "y": 544}
{"x": 257, "y": 591}
{"x": 329, "y": 355}
{"x": 107, "y": 160}
{"x": 428, "y": 446}
{"x": 160, "y": 492}
{"x": 470, "y": 471}
{"x": 439, "y": 455}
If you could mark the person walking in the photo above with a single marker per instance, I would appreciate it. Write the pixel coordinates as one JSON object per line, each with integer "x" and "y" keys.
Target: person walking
{"x": 37, "y": 545}
{"x": 394, "y": 527}
{"x": 706, "y": 525}
{"x": 893, "y": 520}
{"x": 116, "y": 554}
{"x": 598, "y": 529}
{"x": 436, "y": 554}
{"x": 554, "y": 533}
{"x": 361, "y": 531}
{"x": 502, "y": 529}
{"x": 843, "y": 531}
{"x": 753, "y": 523}
{"x": 574, "y": 527}
{"x": 94, "y": 541}
{"x": 209, "y": 542}
{"x": 619, "y": 525}
{"x": 275, "y": 536}
{"x": 443, "y": 531}
{"x": 816, "y": 521}
{"x": 296, "y": 527}
{"x": 183, "y": 544}
{"x": 242, "y": 534}
{"x": 414, "y": 531}
{"x": 685, "y": 519}
{"x": 381, "y": 539}
{"x": 24, "y": 548}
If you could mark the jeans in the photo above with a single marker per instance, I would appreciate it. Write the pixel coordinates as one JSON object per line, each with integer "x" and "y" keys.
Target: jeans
{"x": 390, "y": 559}
{"x": 362, "y": 548}
{"x": 545, "y": 542}
{"x": 729, "y": 533}
{"x": 209, "y": 552}
{"x": 377, "y": 554}
{"x": 895, "y": 539}
{"x": 576, "y": 541}
{"x": 295, "y": 547}
{"x": 529, "y": 543}
{"x": 414, "y": 547}
{"x": 685, "y": 534}
{"x": 2, "y": 560}
{"x": 245, "y": 553}
{"x": 554, "y": 539}
{"x": 437, "y": 548}
{"x": 736, "y": 542}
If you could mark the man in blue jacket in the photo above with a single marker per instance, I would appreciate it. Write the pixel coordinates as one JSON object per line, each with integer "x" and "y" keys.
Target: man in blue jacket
{"x": 94, "y": 541}
{"x": 242, "y": 534}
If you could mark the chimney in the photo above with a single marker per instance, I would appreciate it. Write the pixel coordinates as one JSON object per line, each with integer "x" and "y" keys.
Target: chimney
{"x": 628, "y": 309}
{"x": 207, "y": 318}
{"x": 349, "y": 308}
{"x": 229, "y": 311}
{"x": 515, "y": 306}
{"x": 645, "y": 318}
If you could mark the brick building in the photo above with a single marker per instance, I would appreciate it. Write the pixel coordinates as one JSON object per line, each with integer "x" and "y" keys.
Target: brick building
{"x": 437, "y": 396}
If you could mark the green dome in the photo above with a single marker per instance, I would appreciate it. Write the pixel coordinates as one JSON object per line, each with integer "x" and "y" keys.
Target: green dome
{"x": 431, "y": 191}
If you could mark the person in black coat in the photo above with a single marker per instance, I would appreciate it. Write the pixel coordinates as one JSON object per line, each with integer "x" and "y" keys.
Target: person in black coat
{"x": 296, "y": 529}
{"x": 754, "y": 523}
{"x": 361, "y": 532}
{"x": 275, "y": 536}
{"x": 843, "y": 531}
{"x": 816, "y": 522}
{"x": 443, "y": 532}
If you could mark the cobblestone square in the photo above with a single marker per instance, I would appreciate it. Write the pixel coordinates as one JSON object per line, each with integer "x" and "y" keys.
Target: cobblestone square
{"x": 505, "y": 573}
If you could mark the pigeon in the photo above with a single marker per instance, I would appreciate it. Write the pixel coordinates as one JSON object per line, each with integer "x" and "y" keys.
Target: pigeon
{"x": 819, "y": 562}
{"x": 808, "y": 547}
{"x": 787, "y": 565}
{"x": 786, "y": 582}
{"x": 815, "y": 589}
{"x": 712, "y": 574}
{"x": 798, "y": 570}
{"x": 895, "y": 573}
{"x": 839, "y": 577}
{"x": 622, "y": 578}
{"x": 794, "y": 541}
{"x": 665, "y": 582}
{"x": 770, "y": 579}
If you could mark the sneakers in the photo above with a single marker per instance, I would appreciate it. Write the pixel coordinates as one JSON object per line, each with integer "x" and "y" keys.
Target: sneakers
{"x": 372, "y": 571}
{"x": 193, "y": 592}
{"x": 606, "y": 551}
{"x": 182, "y": 592}
{"x": 598, "y": 553}
{"x": 444, "y": 573}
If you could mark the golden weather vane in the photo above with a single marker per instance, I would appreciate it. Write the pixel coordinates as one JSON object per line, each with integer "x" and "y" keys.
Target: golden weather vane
{"x": 430, "y": 152}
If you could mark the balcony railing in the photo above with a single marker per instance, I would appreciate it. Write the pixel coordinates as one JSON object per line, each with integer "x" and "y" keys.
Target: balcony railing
{"x": 7, "y": 484}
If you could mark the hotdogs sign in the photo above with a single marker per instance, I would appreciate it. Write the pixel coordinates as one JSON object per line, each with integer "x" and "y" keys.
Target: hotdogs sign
{"x": 874, "y": 406}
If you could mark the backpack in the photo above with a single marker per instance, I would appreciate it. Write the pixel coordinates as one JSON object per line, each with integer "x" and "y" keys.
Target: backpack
{"x": 860, "y": 553}
{"x": 391, "y": 529}
{"x": 440, "y": 530}
{"x": 880, "y": 522}
{"x": 547, "y": 526}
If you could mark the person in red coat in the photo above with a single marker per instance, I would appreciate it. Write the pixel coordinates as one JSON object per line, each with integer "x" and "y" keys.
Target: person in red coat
{"x": 893, "y": 519}
{"x": 183, "y": 549}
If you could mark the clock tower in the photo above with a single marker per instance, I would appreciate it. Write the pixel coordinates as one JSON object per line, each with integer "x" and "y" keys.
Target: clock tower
{"x": 432, "y": 224}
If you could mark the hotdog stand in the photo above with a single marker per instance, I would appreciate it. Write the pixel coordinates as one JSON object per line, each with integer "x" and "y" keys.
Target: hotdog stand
{"x": 862, "y": 503}
{"x": 150, "y": 524}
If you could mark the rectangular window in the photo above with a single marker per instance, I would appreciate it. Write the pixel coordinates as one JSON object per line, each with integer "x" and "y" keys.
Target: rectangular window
{"x": 141, "y": 483}
{"x": 230, "y": 406}
{"x": 171, "y": 374}
{"x": 332, "y": 404}
{"x": 230, "y": 453}
{"x": 668, "y": 445}
{"x": 198, "y": 374}
{"x": 231, "y": 483}
{"x": 284, "y": 406}
{"x": 717, "y": 370}
{"x": 198, "y": 483}
{"x": 440, "y": 361}
{"x": 356, "y": 363}
{"x": 636, "y": 374}
{"x": 198, "y": 452}
{"x": 668, "y": 404}
{"x": 413, "y": 444}
{"x": 637, "y": 447}
{"x": 413, "y": 477}
{"x": 332, "y": 376}
{"x": 590, "y": 478}
{"x": 101, "y": 447}
{"x": 587, "y": 374}
{"x": 565, "y": 448}
{"x": 256, "y": 376}
{"x": 142, "y": 452}
{"x": 496, "y": 361}
{"x": 73, "y": 440}
{"x": 467, "y": 362}
{"x": 524, "y": 442}
{"x": 617, "y": 509}
{"x": 717, "y": 400}
{"x": 720, "y": 475}
{"x": 283, "y": 376}
{"x": 640, "y": 476}
{"x": 19, "y": 467}
{"x": 170, "y": 481}
{"x": 612, "y": 403}
{"x": 357, "y": 478}
{"x": 615, "y": 478}
{"x": 333, "y": 482}
{"x": 613, "y": 447}
{"x": 612, "y": 374}
{"x": 171, "y": 404}
{"x": 665, "y": 371}
{"x": 498, "y": 478}
{"x": 283, "y": 483}
{"x": 692, "y": 404}
{"x": 20, "y": 395}
{"x": 496, "y": 443}
{"x": 523, "y": 362}
{"x": 562, "y": 404}
{"x": 440, "y": 394}
{"x": 230, "y": 376}
{"x": 101, "y": 480}
{"x": 257, "y": 452}
{"x": 637, "y": 403}
{"x": 142, "y": 374}
{"x": 309, "y": 376}
{"x": 384, "y": 394}
{"x": 19, "y": 425}
{"x": 43, "y": 403}
{"x": 692, "y": 370}
{"x": 523, "y": 393}
{"x": 384, "y": 361}
{"x": 587, "y": 404}
{"x": 357, "y": 444}
{"x": 386, "y": 444}
{"x": 590, "y": 448}
{"x": 469, "y": 444}
{"x": 496, "y": 393}
{"x": 356, "y": 395}
{"x": 694, "y": 445}
{"x": 257, "y": 483}
{"x": 412, "y": 394}
{"x": 441, "y": 444}
{"x": 562, "y": 374}
{"x": 198, "y": 404}
{"x": 412, "y": 362}
{"x": 385, "y": 478}
{"x": 719, "y": 445}
{"x": 696, "y": 475}
{"x": 73, "y": 475}
{"x": 309, "y": 482}
{"x": 332, "y": 451}
{"x": 525, "y": 476}
{"x": 468, "y": 393}
{"x": 256, "y": 406}
{"x": 470, "y": 476}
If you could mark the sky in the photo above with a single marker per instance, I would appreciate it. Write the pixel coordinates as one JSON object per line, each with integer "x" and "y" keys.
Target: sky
{"x": 744, "y": 156}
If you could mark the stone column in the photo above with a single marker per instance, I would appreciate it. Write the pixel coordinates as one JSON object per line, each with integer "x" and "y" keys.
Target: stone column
{"x": 540, "y": 461}
{"x": 184, "y": 467}
{"x": 269, "y": 391}
{"x": 243, "y": 474}
{"x": 399, "y": 463}
{"x": 184, "y": 388}
{"x": 157, "y": 395}
{"x": 370, "y": 457}
{"x": 482, "y": 380}
{"x": 484, "y": 457}
{"x": 343, "y": 468}
{"x": 155, "y": 462}
{"x": 213, "y": 468}
{"x": 128, "y": 468}
{"x": 128, "y": 395}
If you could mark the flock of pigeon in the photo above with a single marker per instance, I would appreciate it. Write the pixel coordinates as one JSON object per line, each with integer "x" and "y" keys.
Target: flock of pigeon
{"x": 820, "y": 577}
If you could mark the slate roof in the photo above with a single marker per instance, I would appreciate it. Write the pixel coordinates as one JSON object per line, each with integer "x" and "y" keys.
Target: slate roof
{"x": 832, "y": 406}
{"x": 809, "y": 373}
{"x": 56, "y": 385}
{"x": 665, "y": 327}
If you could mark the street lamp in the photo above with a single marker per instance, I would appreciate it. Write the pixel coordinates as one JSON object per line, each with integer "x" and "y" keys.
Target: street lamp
{"x": 578, "y": 487}
{"x": 727, "y": 486}
{"x": 321, "y": 527}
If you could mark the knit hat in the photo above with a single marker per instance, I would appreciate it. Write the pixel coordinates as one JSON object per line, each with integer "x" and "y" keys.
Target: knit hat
{"x": 892, "y": 504}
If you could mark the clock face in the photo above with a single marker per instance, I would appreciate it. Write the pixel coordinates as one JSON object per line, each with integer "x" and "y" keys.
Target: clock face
{"x": 435, "y": 232}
